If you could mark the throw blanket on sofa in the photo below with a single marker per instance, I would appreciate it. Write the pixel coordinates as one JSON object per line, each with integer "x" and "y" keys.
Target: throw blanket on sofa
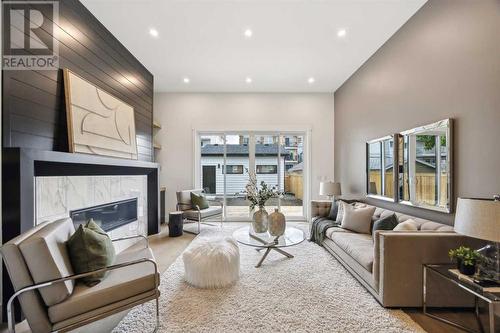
{"x": 318, "y": 228}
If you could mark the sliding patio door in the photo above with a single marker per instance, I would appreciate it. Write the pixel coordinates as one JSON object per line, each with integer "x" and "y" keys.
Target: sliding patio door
{"x": 225, "y": 159}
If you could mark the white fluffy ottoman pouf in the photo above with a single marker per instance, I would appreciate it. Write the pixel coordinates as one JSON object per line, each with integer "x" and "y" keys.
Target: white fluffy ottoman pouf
{"x": 212, "y": 262}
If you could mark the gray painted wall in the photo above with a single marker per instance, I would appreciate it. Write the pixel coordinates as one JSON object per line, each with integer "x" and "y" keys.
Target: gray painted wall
{"x": 443, "y": 63}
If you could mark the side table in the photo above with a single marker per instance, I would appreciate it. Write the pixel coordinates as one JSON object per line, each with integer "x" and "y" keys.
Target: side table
{"x": 492, "y": 298}
{"x": 175, "y": 223}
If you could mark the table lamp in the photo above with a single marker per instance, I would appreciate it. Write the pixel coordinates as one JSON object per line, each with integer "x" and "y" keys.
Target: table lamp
{"x": 330, "y": 189}
{"x": 480, "y": 218}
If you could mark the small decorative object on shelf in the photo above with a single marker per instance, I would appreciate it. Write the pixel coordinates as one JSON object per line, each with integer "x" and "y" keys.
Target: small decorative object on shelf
{"x": 466, "y": 258}
{"x": 277, "y": 223}
{"x": 258, "y": 197}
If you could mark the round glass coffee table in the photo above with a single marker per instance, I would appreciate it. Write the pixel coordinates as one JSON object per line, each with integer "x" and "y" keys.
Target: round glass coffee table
{"x": 246, "y": 236}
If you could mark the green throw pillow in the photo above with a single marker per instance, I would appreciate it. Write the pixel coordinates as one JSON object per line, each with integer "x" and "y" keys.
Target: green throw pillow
{"x": 385, "y": 223}
{"x": 199, "y": 200}
{"x": 90, "y": 248}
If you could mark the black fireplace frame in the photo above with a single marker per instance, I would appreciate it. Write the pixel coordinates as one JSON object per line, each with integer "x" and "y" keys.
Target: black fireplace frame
{"x": 20, "y": 166}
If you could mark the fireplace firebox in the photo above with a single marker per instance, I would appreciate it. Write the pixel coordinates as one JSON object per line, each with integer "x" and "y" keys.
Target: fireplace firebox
{"x": 108, "y": 216}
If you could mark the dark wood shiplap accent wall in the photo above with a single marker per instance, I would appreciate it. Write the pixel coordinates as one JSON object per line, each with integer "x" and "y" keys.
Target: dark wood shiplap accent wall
{"x": 34, "y": 113}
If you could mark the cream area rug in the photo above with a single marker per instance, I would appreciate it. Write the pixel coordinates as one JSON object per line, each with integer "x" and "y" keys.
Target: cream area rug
{"x": 309, "y": 293}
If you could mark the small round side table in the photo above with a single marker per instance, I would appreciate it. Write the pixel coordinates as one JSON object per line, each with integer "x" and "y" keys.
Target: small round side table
{"x": 175, "y": 223}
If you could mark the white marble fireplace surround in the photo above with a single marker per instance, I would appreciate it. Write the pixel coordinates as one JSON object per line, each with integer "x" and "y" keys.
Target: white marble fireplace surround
{"x": 55, "y": 197}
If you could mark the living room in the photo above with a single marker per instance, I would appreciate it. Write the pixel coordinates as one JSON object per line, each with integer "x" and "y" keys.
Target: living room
{"x": 221, "y": 166}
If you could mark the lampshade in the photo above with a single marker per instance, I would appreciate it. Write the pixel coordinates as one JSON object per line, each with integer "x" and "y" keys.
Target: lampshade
{"x": 329, "y": 188}
{"x": 478, "y": 218}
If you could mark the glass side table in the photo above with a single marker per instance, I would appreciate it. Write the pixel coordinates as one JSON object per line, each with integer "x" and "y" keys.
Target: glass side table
{"x": 491, "y": 298}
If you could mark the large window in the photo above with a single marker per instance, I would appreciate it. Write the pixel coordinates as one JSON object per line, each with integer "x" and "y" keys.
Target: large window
{"x": 277, "y": 159}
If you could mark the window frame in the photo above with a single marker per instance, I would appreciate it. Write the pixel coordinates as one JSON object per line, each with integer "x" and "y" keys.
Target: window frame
{"x": 383, "y": 190}
{"x": 275, "y": 172}
{"x": 224, "y": 169}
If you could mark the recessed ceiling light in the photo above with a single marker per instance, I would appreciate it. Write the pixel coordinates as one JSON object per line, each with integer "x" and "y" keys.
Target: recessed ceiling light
{"x": 186, "y": 80}
{"x": 248, "y": 33}
{"x": 153, "y": 32}
{"x": 341, "y": 32}
{"x": 248, "y": 80}
{"x": 310, "y": 80}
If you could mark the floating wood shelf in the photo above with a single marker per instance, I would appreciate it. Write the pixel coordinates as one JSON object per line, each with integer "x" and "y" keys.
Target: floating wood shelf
{"x": 156, "y": 145}
{"x": 156, "y": 124}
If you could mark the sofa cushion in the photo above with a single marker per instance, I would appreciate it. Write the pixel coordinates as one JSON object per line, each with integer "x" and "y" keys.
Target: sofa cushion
{"x": 47, "y": 259}
{"x": 90, "y": 248}
{"x": 357, "y": 219}
{"x": 329, "y": 232}
{"x": 385, "y": 223}
{"x": 408, "y": 225}
{"x": 210, "y": 211}
{"x": 358, "y": 246}
{"x": 434, "y": 226}
{"x": 120, "y": 284}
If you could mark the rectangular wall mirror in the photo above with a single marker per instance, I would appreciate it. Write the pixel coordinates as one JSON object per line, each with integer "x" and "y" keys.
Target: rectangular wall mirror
{"x": 381, "y": 180}
{"x": 425, "y": 166}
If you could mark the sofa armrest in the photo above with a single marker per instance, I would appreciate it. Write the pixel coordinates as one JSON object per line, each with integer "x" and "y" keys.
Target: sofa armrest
{"x": 320, "y": 208}
{"x": 399, "y": 258}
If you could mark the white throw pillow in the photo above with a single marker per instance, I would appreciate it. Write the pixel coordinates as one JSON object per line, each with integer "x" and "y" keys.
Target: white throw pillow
{"x": 408, "y": 225}
{"x": 357, "y": 219}
{"x": 340, "y": 213}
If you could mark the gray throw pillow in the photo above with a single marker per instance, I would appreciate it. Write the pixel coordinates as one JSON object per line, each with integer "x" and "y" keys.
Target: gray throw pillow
{"x": 385, "y": 223}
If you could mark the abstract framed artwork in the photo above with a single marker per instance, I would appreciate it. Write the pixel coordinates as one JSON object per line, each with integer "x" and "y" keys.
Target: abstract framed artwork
{"x": 98, "y": 122}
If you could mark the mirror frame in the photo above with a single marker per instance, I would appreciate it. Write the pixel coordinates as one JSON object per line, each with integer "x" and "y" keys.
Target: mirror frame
{"x": 395, "y": 174}
{"x": 448, "y": 123}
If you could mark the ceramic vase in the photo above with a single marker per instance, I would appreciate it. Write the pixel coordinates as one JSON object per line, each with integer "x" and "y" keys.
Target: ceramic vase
{"x": 277, "y": 223}
{"x": 260, "y": 219}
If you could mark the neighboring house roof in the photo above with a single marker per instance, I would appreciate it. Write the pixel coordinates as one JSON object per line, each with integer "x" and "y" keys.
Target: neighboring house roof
{"x": 299, "y": 167}
{"x": 375, "y": 164}
{"x": 242, "y": 150}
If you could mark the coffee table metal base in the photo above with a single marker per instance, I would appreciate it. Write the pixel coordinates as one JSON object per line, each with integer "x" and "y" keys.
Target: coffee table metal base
{"x": 268, "y": 249}
{"x": 269, "y": 246}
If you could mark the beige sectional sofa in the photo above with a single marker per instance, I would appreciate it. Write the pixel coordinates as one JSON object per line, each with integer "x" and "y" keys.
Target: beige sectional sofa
{"x": 389, "y": 264}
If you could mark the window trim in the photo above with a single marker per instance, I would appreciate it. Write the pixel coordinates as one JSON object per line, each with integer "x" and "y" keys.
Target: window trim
{"x": 224, "y": 170}
{"x": 381, "y": 141}
{"x": 275, "y": 170}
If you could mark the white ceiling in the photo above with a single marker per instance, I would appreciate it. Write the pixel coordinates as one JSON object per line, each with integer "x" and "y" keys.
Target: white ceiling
{"x": 292, "y": 40}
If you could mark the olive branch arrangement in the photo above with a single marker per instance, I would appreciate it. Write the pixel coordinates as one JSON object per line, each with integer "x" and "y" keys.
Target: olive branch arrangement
{"x": 258, "y": 195}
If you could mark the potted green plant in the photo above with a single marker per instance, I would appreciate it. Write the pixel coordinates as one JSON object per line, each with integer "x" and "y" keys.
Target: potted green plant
{"x": 466, "y": 259}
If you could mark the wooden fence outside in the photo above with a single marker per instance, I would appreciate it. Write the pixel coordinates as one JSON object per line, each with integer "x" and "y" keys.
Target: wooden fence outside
{"x": 294, "y": 184}
{"x": 425, "y": 187}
